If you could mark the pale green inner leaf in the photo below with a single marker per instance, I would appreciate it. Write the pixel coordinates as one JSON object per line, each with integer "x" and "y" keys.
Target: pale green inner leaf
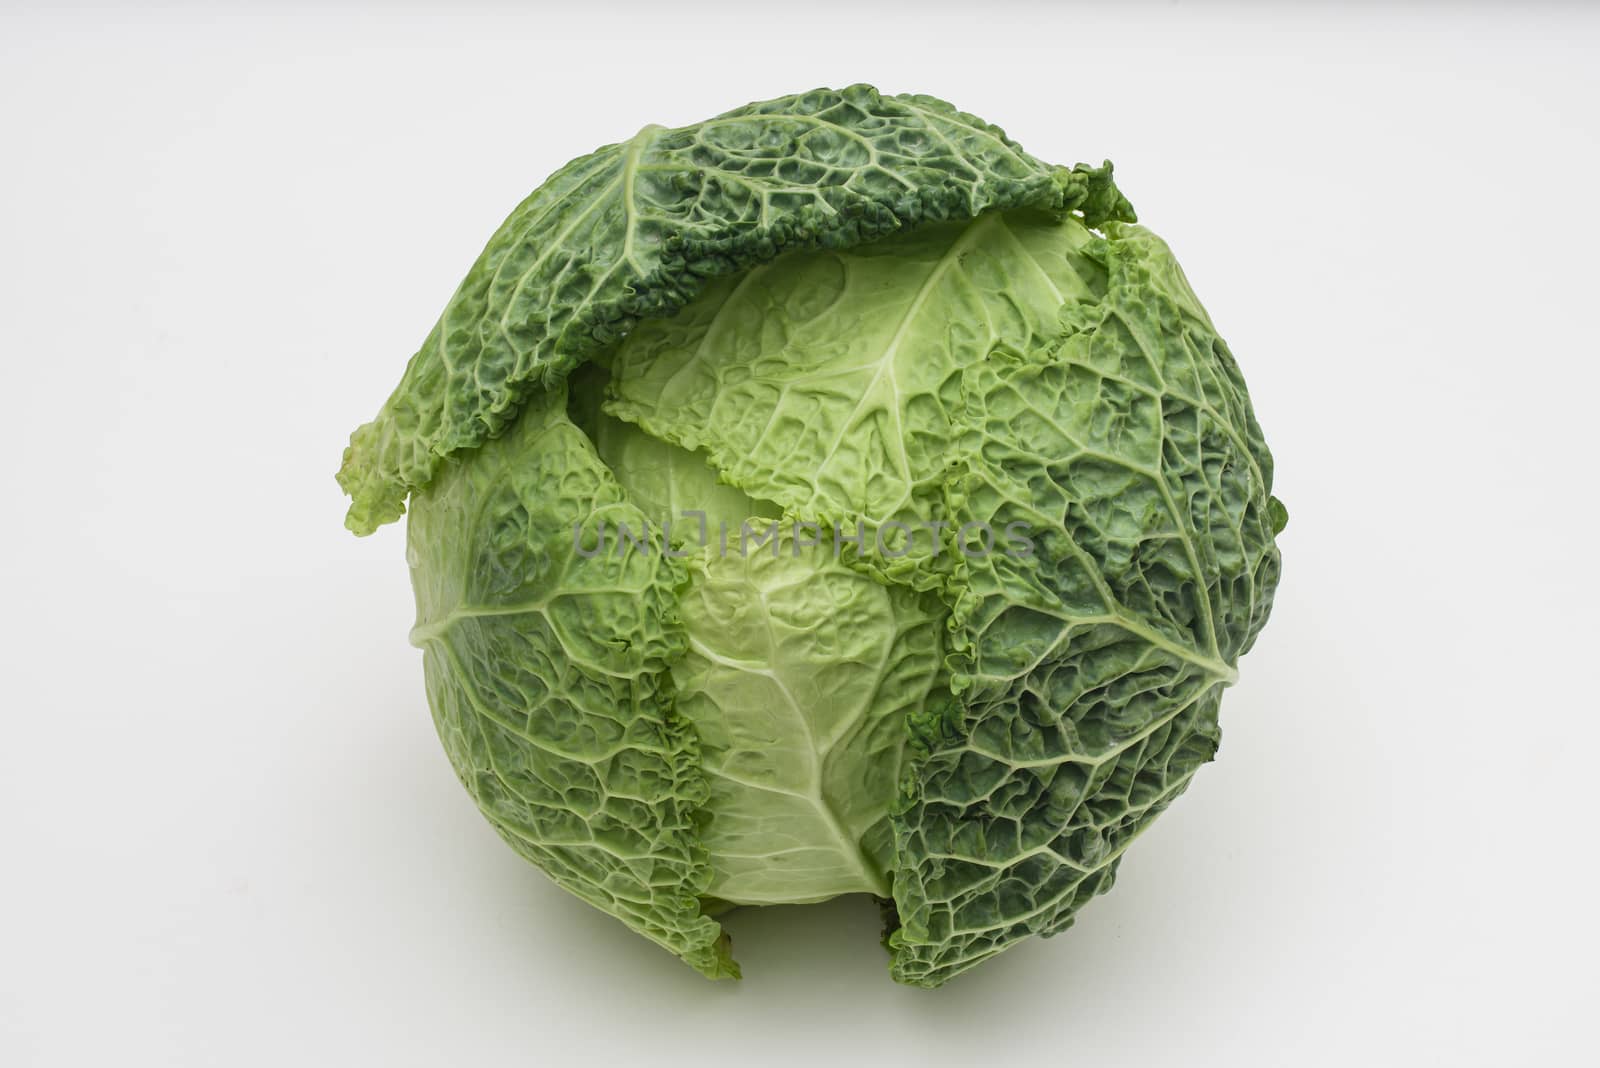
{"x": 830, "y": 381}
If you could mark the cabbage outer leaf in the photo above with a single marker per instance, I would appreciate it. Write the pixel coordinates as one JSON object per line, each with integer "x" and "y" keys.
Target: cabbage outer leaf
{"x": 634, "y": 230}
{"x": 547, "y": 672}
{"x": 1087, "y": 675}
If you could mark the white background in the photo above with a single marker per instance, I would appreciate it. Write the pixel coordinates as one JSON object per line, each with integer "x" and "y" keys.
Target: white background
{"x": 229, "y": 833}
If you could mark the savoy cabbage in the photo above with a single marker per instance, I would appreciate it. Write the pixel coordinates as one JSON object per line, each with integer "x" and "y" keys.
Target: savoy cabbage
{"x": 828, "y": 497}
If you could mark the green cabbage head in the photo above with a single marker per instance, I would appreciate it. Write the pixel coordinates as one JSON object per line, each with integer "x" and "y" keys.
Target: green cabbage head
{"x": 826, "y": 498}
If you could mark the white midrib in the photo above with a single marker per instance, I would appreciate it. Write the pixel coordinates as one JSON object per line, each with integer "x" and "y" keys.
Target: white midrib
{"x": 630, "y": 173}
{"x": 623, "y": 184}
